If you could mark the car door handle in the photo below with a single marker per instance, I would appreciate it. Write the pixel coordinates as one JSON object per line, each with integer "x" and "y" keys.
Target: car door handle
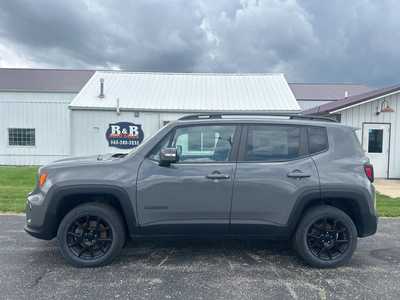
{"x": 217, "y": 175}
{"x": 298, "y": 174}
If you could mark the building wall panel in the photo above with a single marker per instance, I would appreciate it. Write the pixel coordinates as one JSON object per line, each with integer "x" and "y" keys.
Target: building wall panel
{"x": 356, "y": 116}
{"x": 48, "y": 114}
{"x": 88, "y": 128}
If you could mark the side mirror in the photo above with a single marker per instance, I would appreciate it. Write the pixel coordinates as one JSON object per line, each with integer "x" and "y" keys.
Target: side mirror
{"x": 168, "y": 156}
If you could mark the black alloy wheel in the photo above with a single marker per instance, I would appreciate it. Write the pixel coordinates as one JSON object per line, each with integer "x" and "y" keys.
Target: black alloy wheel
{"x": 328, "y": 238}
{"x": 89, "y": 237}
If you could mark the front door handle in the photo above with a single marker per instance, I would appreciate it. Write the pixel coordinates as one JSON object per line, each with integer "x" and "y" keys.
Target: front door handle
{"x": 298, "y": 174}
{"x": 217, "y": 175}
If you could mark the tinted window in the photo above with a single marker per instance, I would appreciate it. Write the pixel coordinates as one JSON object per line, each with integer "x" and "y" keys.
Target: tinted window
{"x": 272, "y": 143}
{"x": 318, "y": 139}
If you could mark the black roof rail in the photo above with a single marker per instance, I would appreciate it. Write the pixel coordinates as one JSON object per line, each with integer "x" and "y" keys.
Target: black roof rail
{"x": 290, "y": 116}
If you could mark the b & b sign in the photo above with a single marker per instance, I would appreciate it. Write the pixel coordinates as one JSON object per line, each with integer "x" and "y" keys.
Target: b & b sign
{"x": 124, "y": 135}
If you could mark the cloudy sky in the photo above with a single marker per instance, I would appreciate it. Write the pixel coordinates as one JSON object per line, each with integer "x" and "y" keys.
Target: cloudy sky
{"x": 309, "y": 40}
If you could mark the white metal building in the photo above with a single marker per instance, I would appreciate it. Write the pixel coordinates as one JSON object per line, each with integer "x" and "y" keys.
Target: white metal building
{"x": 34, "y": 115}
{"x": 376, "y": 114}
{"x": 149, "y": 100}
{"x": 50, "y": 114}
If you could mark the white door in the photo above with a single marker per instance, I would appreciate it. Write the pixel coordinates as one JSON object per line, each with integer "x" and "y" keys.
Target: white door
{"x": 376, "y": 145}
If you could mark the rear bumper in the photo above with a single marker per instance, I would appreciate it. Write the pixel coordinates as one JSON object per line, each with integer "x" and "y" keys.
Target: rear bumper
{"x": 369, "y": 225}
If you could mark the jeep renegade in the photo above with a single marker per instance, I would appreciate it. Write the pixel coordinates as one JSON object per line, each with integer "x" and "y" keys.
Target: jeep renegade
{"x": 217, "y": 175}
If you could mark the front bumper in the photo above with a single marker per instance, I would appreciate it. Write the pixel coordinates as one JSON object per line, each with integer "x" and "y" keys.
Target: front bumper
{"x": 39, "y": 233}
{"x": 39, "y": 223}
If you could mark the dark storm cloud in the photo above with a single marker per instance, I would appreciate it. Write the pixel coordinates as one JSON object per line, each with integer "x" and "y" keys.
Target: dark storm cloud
{"x": 309, "y": 40}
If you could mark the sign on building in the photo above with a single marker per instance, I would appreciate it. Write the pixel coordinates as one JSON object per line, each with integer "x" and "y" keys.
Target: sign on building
{"x": 124, "y": 135}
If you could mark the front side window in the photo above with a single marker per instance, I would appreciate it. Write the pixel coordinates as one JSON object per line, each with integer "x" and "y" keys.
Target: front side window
{"x": 204, "y": 143}
{"x": 199, "y": 143}
{"x": 273, "y": 143}
{"x": 21, "y": 137}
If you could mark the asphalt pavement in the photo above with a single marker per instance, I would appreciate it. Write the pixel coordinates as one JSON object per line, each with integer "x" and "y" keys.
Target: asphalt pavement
{"x": 34, "y": 269}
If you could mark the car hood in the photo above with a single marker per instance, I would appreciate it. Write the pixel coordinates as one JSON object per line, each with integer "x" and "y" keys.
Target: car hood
{"x": 84, "y": 160}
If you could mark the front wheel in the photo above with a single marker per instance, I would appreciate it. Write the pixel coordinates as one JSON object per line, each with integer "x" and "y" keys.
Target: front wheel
{"x": 91, "y": 235}
{"x": 326, "y": 237}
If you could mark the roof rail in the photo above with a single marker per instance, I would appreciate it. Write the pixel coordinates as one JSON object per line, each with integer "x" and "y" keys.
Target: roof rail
{"x": 289, "y": 116}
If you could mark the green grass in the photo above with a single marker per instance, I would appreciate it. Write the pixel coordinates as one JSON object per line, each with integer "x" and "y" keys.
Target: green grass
{"x": 387, "y": 207}
{"x": 17, "y": 182}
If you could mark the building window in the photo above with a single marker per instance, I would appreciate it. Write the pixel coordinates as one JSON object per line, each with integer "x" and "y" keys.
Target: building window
{"x": 375, "y": 141}
{"x": 21, "y": 136}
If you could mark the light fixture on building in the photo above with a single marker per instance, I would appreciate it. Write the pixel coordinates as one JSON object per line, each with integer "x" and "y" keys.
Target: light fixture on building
{"x": 137, "y": 114}
{"x": 383, "y": 107}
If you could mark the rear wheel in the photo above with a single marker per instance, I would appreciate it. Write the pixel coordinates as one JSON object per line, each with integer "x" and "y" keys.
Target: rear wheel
{"x": 91, "y": 235}
{"x": 326, "y": 237}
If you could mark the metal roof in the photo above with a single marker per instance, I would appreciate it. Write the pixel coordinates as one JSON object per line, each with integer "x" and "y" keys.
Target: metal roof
{"x": 43, "y": 80}
{"x": 328, "y": 92}
{"x": 353, "y": 101}
{"x": 187, "y": 92}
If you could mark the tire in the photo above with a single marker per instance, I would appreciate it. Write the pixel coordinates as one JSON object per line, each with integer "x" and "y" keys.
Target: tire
{"x": 91, "y": 235}
{"x": 320, "y": 238}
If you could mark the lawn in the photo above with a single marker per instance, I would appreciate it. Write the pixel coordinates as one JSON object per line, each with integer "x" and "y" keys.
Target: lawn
{"x": 388, "y": 207}
{"x": 17, "y": 182}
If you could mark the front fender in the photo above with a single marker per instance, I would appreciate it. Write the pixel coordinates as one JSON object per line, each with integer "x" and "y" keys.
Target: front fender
{"x": 57, "y": 194}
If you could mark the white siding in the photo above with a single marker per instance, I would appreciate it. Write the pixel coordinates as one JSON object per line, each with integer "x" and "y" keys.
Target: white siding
{"x": 46, "y": 112}
{"x": 88, "y": 128}
{"x": 358, "y": 115}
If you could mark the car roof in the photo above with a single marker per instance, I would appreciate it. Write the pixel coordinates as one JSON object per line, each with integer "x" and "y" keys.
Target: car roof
{"x": 260, "y": 119}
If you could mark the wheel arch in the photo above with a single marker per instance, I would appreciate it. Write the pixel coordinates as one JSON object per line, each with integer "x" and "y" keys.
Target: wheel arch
{"x": 352, "y": 203}
{"x": 64, "y": 199}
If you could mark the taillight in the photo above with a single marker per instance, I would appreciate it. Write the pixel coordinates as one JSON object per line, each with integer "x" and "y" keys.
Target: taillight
{"x": 369, "y": 172}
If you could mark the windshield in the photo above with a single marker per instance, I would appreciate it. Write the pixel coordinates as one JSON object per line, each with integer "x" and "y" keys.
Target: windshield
{"x": 146, "y": 139}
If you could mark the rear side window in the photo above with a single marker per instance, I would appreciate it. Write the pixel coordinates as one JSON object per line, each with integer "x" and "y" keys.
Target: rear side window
{"x": 273, "y": 143}
{"x": 317, "y": 139}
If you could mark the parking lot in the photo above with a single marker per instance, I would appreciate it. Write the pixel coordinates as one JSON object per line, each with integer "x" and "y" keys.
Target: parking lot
{"x": 33, "y": 269}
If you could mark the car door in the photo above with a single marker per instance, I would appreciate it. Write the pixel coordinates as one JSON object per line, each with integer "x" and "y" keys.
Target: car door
{"x": 273, "y": 172}
{"x": 193, "y": 195}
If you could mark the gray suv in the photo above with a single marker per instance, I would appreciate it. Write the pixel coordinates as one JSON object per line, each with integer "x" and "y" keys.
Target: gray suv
{"x": 211, "y": 176}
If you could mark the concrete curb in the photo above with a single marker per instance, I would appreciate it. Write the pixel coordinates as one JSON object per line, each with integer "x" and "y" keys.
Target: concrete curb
{"x": 11, "y": 214}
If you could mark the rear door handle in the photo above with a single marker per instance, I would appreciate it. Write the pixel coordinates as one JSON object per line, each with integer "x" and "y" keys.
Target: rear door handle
{"x": 298, "y": 174}
{"x": 217, "y": 175}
